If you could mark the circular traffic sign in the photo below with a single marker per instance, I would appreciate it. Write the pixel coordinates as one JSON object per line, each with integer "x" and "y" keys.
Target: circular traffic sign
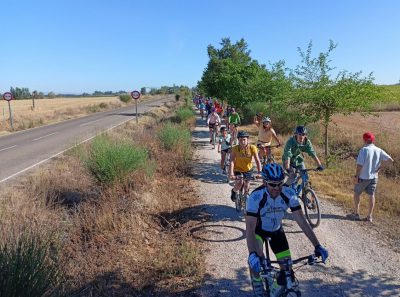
{"x": 7, "y": 96}
{"x": 135, "y": 95}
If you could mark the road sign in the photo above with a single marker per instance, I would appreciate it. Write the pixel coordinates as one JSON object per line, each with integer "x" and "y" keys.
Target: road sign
{"x": 135, "y": 95}
{"x": 8, "y": 96}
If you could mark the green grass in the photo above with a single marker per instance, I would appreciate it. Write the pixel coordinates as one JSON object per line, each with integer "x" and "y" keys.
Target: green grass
{"x": 176, "y": 138}
{"x": 389, "y": 98}
{"x": 26, "y": 268}
{"x": 183, "y": 114}
{"x": 110, "y": 161}
{"x": 125, "y": 98}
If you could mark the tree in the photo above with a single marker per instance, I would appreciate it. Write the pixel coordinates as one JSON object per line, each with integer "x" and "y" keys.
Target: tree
{"x": 51, "y": 95}
{"x": 318, "y": 96}
{"x": 143, "y": 90}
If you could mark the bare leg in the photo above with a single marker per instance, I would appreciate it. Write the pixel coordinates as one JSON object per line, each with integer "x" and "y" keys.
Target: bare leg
{"x": 222, "y": 159}
{"x": 356, "y": 198}
{"x": 238, "y": 185}
{"x": 371, "y": 205}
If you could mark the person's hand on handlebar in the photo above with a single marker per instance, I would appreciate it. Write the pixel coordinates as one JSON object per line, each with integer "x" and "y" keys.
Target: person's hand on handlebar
{"x": 320, "y": 168}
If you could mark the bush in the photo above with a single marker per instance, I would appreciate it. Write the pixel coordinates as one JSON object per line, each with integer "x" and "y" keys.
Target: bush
{"x": 26, "y": 268}
{"x": 109, "y": 161}
{"x": 177, "y": 138}
{"x": 125, "y": 98}
{"x": 177, "y": 96}
{"x": 183, "y": 114}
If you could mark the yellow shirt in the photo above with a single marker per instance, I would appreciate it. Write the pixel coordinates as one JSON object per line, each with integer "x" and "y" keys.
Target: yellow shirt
{"x": 243, "y": 158}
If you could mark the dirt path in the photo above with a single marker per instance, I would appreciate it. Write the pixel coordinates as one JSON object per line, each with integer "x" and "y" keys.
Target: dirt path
{"x": 360, "y": 264}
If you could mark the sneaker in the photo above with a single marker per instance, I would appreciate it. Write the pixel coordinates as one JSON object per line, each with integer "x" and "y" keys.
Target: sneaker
{"x": 258, "y": 288}
{"x": 210, "y": 141}
{"x": 223, "y": 171}
{"x": 368, "y": 219}
{"x": 233, "y": 196}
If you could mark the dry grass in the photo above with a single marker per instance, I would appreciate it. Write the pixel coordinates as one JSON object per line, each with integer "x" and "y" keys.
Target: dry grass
{"x": 113, "y": 241}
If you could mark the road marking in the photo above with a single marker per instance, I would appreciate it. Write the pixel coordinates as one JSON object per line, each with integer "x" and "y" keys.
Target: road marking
{"x": 45, "y": 136}
{"x": 88, "y": 123}
{"x": 7, "y": 148}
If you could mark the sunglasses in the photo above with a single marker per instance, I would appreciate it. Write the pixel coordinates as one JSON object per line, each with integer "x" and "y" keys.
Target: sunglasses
{"x": 274, "y": 185}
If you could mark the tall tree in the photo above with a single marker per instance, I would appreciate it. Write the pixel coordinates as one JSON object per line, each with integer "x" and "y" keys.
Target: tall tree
{"x": 319, "y": 95}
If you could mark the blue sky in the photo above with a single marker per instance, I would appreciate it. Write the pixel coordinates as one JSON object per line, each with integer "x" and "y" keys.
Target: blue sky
{"x": 75, "y": 46}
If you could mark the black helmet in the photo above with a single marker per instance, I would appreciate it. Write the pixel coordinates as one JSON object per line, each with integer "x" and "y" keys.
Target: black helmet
{"x": 273, "y": 172}
{"x": 243, "y": 134}
{"x": 300, "y": 130}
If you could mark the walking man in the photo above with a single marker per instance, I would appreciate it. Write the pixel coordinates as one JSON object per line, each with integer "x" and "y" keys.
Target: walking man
{"x": 368, "y": 165}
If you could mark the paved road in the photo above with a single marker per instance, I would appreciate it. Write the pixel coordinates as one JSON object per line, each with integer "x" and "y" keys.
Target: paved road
{"x": 24, "y": 150}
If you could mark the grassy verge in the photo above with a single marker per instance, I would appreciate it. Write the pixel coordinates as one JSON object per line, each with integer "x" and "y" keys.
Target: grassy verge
{"x": 103, "y": 217}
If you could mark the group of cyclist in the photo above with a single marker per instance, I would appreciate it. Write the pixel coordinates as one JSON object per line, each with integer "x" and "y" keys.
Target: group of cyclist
{"x": 267, "y": 204}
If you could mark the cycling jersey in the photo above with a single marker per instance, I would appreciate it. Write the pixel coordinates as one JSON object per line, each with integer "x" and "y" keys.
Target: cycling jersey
{"x": 243, "y": 157}
{"x": 293, "y": 151}
{"x": 213, "y": 118}
{"x": 225, "y": 142}
{"x": 234, "y": 118}
{"x": 271, "y": 213}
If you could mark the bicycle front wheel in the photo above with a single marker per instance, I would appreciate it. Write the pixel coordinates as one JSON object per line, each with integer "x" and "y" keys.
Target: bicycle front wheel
{"x": 311, "y": 208}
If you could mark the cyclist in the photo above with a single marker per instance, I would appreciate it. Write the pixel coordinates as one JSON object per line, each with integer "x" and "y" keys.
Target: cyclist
{"x": 224, "y": 146}
{"x": 213, "y": 121}
{"x": 202, "y": 108}
{"x": 241, "y": 163}
{"x": 266, "y": 207}
{"x": 265, "y": 135}
{"x": 234, "y": 122}
{"x": 292, "y": 155}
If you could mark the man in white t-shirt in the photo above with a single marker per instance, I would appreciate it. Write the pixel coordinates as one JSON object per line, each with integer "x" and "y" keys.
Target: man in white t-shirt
{"x": 368, "y": 164}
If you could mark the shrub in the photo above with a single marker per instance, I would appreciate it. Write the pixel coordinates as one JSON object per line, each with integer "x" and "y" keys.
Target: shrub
{"x": 125, "y": 98}
{"x": 109, "y": 161}
{"x": 183, "y": 114}
{"x": 177, "y": 138}
{"x": 103, "y": 105}
{"x": 26, "y": 268}
{"x": 177, "y": 96}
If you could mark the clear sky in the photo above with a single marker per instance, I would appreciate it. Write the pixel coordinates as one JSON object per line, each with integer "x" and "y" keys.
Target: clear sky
{"x": 75, "y": 46}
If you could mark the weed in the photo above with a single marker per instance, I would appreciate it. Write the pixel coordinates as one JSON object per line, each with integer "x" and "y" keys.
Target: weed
{"x": 176, "y": 138}
{"x": 110, "y": 161}
{"x": 183, "y": 114}
{"x": 125, "y": 98}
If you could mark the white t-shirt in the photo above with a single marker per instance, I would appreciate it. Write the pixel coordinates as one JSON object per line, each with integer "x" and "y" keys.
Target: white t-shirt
{"x": 370, "y": 157}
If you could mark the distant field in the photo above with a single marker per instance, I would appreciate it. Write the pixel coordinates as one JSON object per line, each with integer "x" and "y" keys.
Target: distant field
{"x": 49, "y": 111}
{"x": 389, "y": 98}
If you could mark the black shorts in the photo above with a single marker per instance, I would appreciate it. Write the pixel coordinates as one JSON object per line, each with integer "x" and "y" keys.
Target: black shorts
{"x": 247, "y": 175}
{"x": 278, "y": 240}
{"x": 212, "y": 126}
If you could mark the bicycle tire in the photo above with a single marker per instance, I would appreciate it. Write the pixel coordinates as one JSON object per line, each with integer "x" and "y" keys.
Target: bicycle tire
{"x": 312, "y": 212}
{"x": 238, "y": 202}
{"x": 213, "y": 138}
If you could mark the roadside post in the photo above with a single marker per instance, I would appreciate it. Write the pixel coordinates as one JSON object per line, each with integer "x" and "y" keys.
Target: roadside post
{"x": 136, "y": 95}
{"x": 8, "y": 97}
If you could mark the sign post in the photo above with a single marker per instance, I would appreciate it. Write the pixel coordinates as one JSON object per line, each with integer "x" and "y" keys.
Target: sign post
{"x": 136, "y": 95}
{"x": 8, "y": 97}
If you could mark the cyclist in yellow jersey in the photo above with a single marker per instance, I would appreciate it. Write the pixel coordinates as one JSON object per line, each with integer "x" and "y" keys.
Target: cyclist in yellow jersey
{"x": 242, "y": 156}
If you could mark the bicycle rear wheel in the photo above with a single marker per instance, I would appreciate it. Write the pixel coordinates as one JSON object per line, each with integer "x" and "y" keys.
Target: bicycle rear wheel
{"x": 213, "y": 138}
{"x": 311, "y": 207}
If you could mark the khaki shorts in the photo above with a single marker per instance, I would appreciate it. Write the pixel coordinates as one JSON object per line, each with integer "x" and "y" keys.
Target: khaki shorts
{"x": 366, "y": 185}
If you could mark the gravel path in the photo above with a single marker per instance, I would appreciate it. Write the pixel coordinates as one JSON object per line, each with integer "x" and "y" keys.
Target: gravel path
{"x": 360, "y": 263}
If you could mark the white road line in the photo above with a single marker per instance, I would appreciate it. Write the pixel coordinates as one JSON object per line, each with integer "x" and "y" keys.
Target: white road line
{"x": 88, "y": 123}
{"x": 45, "y": 136}
{"x": 7, "y": 148}
{"x": 40, "y": 162}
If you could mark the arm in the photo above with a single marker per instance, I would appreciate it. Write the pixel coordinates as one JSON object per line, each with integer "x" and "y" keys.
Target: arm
{"x": 252, "y": 245}
{"x": 233, "y": 158}
{"x": 287, "y": 154}
{"x": 257, "y": 159}
{"x": 275, "y": 137}
{"x": 308, "y": 231}
{"x": 357, "y": 175}
{"x": 219, "y": 145}
{"x": 316, "y": 159}
{"x": 256, "y": 122}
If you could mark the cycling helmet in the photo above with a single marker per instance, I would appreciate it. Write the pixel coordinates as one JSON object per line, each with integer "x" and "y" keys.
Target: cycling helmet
{"x": 232, "y": 109}
{"x": 273, "y": 172}
{"x": 266, "y": 120}
{"x": 243, "y": 134}
{"x": 300, "y": 130}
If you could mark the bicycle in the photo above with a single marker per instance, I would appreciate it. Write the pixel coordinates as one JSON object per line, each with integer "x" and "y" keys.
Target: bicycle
{"x": 241, "y": 198}
{"x": 273, "y": 276}
{"x": 302, "y": 187}
{"x": 268, "y": 157}
{"x": 227, "y": 165}
{"x": 214, "y": 135}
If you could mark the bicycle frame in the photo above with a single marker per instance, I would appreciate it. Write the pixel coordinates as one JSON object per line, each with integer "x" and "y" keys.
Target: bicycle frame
{"x": 268, "y": 156}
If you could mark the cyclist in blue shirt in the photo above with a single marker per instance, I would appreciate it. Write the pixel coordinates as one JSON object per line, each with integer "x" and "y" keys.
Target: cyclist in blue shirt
{"x": 265, "y": 209}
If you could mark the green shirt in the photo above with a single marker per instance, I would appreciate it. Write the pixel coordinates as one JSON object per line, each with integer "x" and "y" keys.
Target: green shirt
{"x": 293, "y": 151}
{"x": 234, "y": 119}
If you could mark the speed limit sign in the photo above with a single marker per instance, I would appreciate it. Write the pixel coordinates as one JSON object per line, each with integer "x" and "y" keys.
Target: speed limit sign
{"x": 7, "y": 96}
{"x": 135, "y": 95}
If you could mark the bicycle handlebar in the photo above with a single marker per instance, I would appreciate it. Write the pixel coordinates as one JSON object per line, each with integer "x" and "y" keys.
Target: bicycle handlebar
{"x": 311, "y": 260}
